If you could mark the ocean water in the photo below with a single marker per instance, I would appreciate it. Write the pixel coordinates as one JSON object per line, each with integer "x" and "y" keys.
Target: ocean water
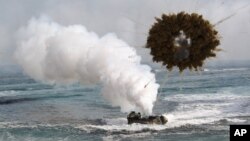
{"x": 199, "y": 106}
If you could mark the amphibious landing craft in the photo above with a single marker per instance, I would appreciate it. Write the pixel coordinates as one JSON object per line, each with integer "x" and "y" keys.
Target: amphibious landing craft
{"x": 134, "y": 117}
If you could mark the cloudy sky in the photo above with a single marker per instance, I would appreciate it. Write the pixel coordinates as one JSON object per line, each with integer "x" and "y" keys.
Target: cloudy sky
{"x": 129, "y": 19}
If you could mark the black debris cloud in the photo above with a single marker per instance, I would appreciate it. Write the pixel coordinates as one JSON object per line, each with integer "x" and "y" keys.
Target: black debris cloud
{"x": 182, "y": 40}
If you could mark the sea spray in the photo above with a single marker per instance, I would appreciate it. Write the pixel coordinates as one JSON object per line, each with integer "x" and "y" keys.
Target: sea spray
{"x": 57, "y": 54}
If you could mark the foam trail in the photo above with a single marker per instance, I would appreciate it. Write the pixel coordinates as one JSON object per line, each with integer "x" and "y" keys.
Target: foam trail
{"x": 57, "y": 54}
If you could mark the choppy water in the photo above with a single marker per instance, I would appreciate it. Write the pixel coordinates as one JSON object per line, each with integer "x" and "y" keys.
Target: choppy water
{"x": 200, "y": 106}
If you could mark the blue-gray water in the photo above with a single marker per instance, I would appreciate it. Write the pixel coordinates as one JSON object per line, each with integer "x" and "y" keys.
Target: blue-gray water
{"x": 200, "y": 107}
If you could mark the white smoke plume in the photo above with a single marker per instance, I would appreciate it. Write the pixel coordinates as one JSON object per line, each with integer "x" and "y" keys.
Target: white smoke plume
{"x": 57, "y": 54}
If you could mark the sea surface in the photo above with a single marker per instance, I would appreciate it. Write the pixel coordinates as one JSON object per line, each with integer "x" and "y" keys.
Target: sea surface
{"x": 199, "y": 106}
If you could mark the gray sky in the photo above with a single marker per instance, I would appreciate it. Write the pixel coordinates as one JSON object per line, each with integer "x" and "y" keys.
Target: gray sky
{"x": 129, "y": 19}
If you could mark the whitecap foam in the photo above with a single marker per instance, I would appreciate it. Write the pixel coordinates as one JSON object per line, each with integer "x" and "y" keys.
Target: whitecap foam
{"x": 16, "y": 124}
{"x": 124, "y": 136}
{"x": 123, "y": 127}
{"x": 205, "y": 97}
{"x": 225, "y": 69}
{"x": 207, "y": 108}
{"x": 120, "y": 124}
{"x": 235, "y": 120}
{"x": 9, "y": 93}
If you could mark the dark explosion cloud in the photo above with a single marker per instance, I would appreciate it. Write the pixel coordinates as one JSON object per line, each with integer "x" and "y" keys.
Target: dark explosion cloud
{"x": 183, "y": 40}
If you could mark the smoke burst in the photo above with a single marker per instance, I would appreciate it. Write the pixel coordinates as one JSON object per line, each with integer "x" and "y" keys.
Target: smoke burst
{"x": 57, "y": 54}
